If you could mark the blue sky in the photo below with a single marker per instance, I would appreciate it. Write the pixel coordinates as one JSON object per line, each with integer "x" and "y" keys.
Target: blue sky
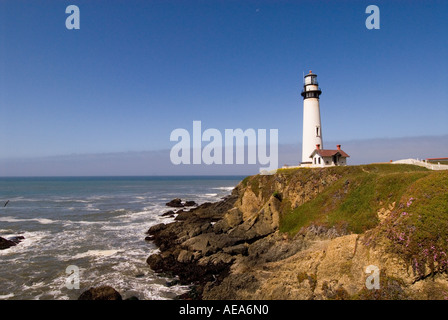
{"x": 136, "y": 70}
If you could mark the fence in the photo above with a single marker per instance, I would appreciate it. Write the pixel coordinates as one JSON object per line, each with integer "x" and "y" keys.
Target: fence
{"x": 423, "y": 163}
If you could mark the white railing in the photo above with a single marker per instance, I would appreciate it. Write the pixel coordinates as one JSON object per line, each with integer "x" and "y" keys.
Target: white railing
{"x": 423, "y": 163}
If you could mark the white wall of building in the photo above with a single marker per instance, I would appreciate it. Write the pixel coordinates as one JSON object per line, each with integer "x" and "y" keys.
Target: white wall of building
{"x": 318, "y": 161}
{"x": 312, "y": 129}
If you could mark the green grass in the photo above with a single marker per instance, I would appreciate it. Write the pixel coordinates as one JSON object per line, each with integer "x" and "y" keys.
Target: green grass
{"x": 418, "y": 229}
{"x": 352, "y": 201}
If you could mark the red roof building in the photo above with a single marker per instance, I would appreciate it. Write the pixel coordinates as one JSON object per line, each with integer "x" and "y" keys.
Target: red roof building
{"x": 325, "y": 157}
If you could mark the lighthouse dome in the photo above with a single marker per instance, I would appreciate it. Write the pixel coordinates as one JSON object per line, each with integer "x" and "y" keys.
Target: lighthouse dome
{"x": 310, "y": 78}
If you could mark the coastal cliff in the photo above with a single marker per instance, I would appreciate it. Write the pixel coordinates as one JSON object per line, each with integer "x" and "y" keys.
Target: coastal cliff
{"x": 311, "y": 233}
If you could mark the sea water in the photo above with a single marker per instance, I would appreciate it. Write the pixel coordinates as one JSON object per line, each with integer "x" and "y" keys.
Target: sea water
{"x": 97, "y": 224}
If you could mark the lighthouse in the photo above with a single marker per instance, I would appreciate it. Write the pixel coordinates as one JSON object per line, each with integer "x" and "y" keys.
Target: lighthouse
{"x": 312, "y": 129}
{"x": 313, "y": 152}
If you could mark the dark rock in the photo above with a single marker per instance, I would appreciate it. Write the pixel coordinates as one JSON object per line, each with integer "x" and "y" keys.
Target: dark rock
{"x": 16, "y": 239}
{"x": 226, "y": 290}
{"x": 132, "y": 298}
{"x": 156, "y": 228}
{"x": 172, "y": 283}
{"x": 176, "y": 203}
{"x": 190, "y": 203}
{"x": 156, "y": 262}
{"x": 200, "y": 228}
{"x": 191, "y": 250}
{"x": 185, "y": 256}
{"x": 182, "y": 215}
{"x": 241, "y": 248}
{"x": 100, "y": 293}
{"x": 149, "y": 238}
{"x": 5, "y": 244}
{"x": 190, "y": 272}
{"x": 168, "y": 213}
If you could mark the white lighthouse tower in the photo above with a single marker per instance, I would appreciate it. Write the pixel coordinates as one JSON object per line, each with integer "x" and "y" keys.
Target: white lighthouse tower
{"x": 312, "y": 129}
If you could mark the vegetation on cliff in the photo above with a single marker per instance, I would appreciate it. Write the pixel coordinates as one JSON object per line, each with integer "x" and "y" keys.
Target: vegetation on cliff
{"x": 418, "y": 228}
{"x": 349, "y": 200}
{"x": 310, "y": 233}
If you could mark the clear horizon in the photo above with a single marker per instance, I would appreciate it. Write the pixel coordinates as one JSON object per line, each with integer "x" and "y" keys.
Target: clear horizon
{"x": 156, "y": 163}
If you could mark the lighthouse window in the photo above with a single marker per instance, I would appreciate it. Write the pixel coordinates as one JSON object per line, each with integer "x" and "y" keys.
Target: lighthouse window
{"x": 319, "y": 160}
{"x": 317, "y": 131}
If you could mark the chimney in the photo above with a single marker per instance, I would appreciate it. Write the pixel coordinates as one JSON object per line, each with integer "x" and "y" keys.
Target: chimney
{"x": 317, "y": 146}
{"x": 338, "y": 146}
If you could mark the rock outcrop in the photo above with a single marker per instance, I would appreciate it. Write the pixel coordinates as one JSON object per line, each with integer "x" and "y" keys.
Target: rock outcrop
{"x": 12, "y": 241}
{"x": 233, "y": 249}
{"x": 5, "y": 244}
{"x": 100, "y": 293}
{"x": 176, "y": 203}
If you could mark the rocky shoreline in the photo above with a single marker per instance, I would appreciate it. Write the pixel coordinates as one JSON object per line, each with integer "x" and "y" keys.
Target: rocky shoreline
{"x": 210, "y": 246}
{"x": 193, "y": 262}
{"x": 11, "y": 242}
{"x": 233, "y": 249}
{"x": 203, "y": 244}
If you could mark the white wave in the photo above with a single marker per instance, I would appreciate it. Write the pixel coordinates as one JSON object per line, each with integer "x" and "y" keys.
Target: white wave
{"x": 7, "y": 296}
{"x": 211, "y": 194}
{"x": 95, "y": 198}
{"x": 95, "y": 253}
{"x": 68, "y": 223}
{"x": 71, "y": 200}
{"x": 40, "y": 220}
{"x": 119, "y": 210}
{"x": 91, "y": 208}
{"x": 19, "y": 199}
{"x": 155, "y": 208}
{"x": 31, "y": 238}
{"x": 224, "y": 188}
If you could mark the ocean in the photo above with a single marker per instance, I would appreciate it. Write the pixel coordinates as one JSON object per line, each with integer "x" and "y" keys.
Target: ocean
{"x": 97, "y": 224}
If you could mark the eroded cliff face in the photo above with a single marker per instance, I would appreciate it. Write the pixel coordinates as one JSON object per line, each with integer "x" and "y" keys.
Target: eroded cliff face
{"x": 233, "y": 249}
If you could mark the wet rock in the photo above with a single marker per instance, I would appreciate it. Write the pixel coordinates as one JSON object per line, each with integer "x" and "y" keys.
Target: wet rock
{"x": 190, "y": 203}
{"x": 208, "y": 243}
{"x": 16, "y": 239}
{"x": 172, "y": 283}
{"x": 156, "y": 262}
{"x": 100, "y": 293}
{"x": 168, "y": 213}
{"x": 156, "y": 228}
{"x": 5, "y": 244}
{"x": 182, "y": 215}
{"x": 176, "y": 203}
{"x": 190, "y": 249}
